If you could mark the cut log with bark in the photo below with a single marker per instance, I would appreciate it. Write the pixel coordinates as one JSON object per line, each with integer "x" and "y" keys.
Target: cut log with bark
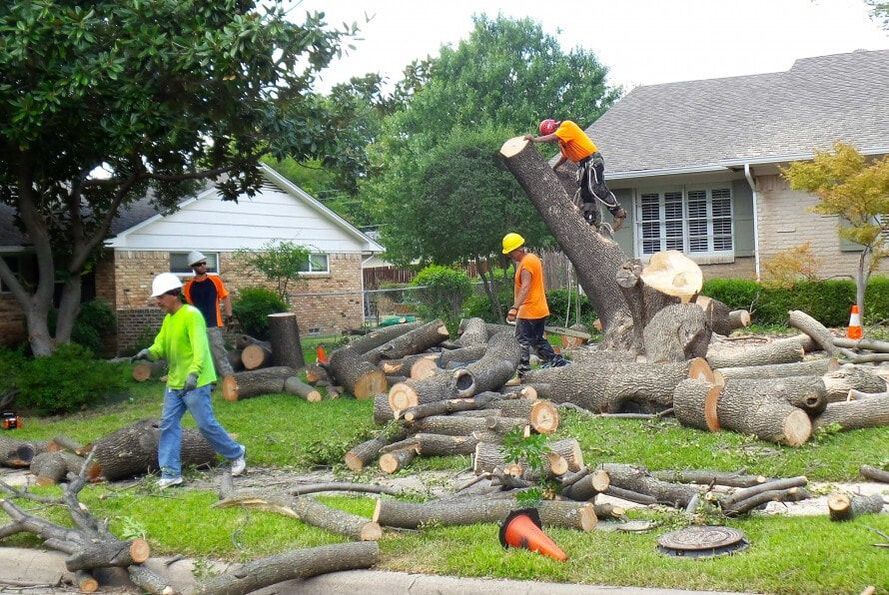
{"x": 843, "y": 507}
{"x": 778, "y": 495}
{"x": 234, "y": 361}
{"x": 284, "y": 338}
{"x": 382, "y": 411}
{"x": 473, "y": 331}
{"x": 642, "y": 300}
{"x": 607, "y": 510}
{"x": 412, "y": 342}
{"x": 296, "y": 564}
{"x": 265, "y": 381}
{"x": 413, "y": 392}
{"x": 314, "y": 513}
{"x": 357, "y": 375}
{"x": 694, "y": 404}
{"x": 595, "y": 256}
{"x": 143, "y": 370}
{"x": 294, "y": 386}
{"x": 469, "y": 511}
{"x": 440, "y": 445}
{"x": 819, "y": 333}
{"x": 462, "y": 356}
{"x": 596, "y": 482}
{"x": 19, "y": 453}
{"x": 812, "y": 367}
{"x": 490, "y": 372}
{"x": 874, "y": 473}
{"x": 361, "y": 454}
{"x": 840, "y": 382}
{"x": 723, "y": 320}
{"x": 51, "y": 468}
{"x": 569, "y": 448}
{"x": 704, "y": 477}
{"x": 775, "y": 352}
{"x": 316, "y": 374}
{"x": 853, "y": 415}
{"x": 767, "y": 486}
{"x": 256, "y": 356}
{"x": 639, "y": 480}
{"x": 132, "y": 451}
{"x": 477, "y": 402}
{"x": 677, "y": 333}
{"x": 405, "y": 365}
{"x": 394, "y": 461}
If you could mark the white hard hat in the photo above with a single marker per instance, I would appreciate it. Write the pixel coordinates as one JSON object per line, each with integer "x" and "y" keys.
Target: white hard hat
{"x": 164, "y": 283}
{"x": 195, "y": 256}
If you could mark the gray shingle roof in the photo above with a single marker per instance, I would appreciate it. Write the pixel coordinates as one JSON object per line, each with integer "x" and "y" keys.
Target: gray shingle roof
{"x": 698, "y": 123}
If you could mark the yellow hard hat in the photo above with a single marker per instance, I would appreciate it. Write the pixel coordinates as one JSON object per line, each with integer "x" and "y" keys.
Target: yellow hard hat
{"x": 512, "y": 241}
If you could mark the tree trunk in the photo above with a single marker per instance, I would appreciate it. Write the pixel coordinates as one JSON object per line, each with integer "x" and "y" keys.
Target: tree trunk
{"x": 776, "y": 352}
{"x": 294, "y": 386}
{"x": 812, "y": 367}
{"x": 69, "y": 307}
{"x": 596, "y": 258}
{"x": 17, "y": 453}
{"x": 398, "y": 459}
{"x": 405, "y": 366}
{"x": 53, "y": 467}
{"x": 866, "y": 413}
{"x": 440, "y": 445}
{"x": 469, "y": 511}
{"x": 694, "y": 404}
{"x": 440, "y": 387}
{"x": 297, "y": 564}
{"x": 256, "y": 356}
{"x": 473, "y": 331}
{"x": 723, "y": 320}
{"x": 843, "y": 507}
{"x": 264, "y": 381}
{"x": 284, "y": 337}
{"x": 676, "y": 333}
{"x": 639, "y": 480}
{"x": 498, "y": 365}
{"x": 874, "y": 473}
{"x": 754, "y": 407}
{"x": 143, "y": 371}
{"x": 361, "y": 454}
{"x": 840, "y": 382}
{"x": 816, "y": 330}
{"x": 382, "y": 411}
{"x": 314, "y": 513}
{"x": 414, "y": 341}
{"x": 596, "y": 482}
{"x": 643, "y": 301}
{"x": 108, "y": 553}
{"x": 463, "y": 355}
{"x": 357, "y": 375}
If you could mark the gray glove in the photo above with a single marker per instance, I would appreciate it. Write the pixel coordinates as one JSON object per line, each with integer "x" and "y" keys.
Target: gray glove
{"x": 191, "y": 382}
{"x": 144, "y": 354}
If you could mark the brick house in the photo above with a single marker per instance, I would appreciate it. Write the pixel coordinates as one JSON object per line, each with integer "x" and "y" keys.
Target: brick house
{"x": 696, "y": 163}
{"x": 145, "y": 242}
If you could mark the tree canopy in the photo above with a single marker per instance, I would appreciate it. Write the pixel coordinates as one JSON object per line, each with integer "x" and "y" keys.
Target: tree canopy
{"x": 160, "y": 94}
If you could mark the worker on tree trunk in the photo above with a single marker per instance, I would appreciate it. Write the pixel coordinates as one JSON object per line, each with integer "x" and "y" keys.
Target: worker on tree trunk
{"x": 529, "y": 310}
{"x": 575, "y": 145}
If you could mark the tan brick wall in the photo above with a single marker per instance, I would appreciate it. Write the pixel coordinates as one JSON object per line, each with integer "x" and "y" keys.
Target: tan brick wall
{"x": 786, "y": 221}
{"x": 105, "y": 283}
{"x": 742, "y": 268}
{"x": 12, "y": 321}
{"x": 329, "y": 314}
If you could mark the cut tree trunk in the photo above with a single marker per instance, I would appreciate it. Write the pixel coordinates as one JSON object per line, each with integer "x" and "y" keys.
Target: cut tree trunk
{"x": 840, "y": 382}
{"x": 256, "y": 356}
{"x": 463, "y": 355}
{"x": 723, "y": 478}
{"x": 413, "y": 392}
{"x": 776, "y": 352}
{"x": 479, "y": 401}
{"x": 473, "y": 331}
{"x": 875, "y": 473}
{"x": 694, "y": 404}
{"x": 396, "y": 460}
{"x": 596, "y": 482}
{"x": 108, "y": 553}
{"x": 357, "y": 375}
{"x": 336, "y": 521}
{"x": 767, "y": 486}
{"x": 295, "y": 386}
{"x": 361, "y": 454}
{"x": 132, "y": 451}
{"x": 439, "y": 445}
{"x": 18, "y": 453}
{"x": 787, "y": 495}
{"x": 677, "y": 333}
{"x": 639, "y": 480}
{"x": 813, "y": 367}
{"x": 642, "y": 300}
{"x": 496, "y": 367}
{"x": 816, "y": 330}
{"x": 596, "y": 257}
{"x": 297, "y": 564}
{"x": 469, "y": 511}
{"x": 382, "y": 411}
{"x": 415, "y": 341}
{"x": 853, "y": 415}
{"x": 143, "y": 370}
{"x": 723, "y": 320}
{"x": 234, "y": 360}
{"x": 760, "y": 408}
{"x": 264, "y": 381}
{"x": 53, "y": 467}
{"x": 405, "y": 365}
{"x": 284, "y": 337}
{"x": 843, "y": 507}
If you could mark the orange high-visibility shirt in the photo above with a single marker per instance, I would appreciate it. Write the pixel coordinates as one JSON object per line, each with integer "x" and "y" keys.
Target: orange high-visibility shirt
{"x": 574, "y": 142}
{"x": 535, "y": 305}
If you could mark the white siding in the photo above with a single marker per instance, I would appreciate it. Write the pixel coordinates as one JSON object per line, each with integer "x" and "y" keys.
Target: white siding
{"x": 209, "y": 223}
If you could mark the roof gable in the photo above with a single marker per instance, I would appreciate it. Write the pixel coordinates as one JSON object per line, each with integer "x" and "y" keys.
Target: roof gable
{"x": 693, "y": 124}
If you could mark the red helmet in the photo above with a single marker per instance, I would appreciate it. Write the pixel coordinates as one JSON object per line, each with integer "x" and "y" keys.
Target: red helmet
{"x": 548, "y": 126}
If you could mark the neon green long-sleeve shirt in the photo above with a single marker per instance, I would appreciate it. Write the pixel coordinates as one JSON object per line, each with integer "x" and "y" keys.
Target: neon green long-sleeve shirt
{"x": 183, "y": 342}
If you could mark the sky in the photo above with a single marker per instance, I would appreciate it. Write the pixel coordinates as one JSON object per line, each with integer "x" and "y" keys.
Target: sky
{"x": 642, "y": 42}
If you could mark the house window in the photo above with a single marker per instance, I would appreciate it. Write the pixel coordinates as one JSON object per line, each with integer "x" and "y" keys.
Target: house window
{"x": 695, "y": 221}
{"x": 15, "y": 265}
{"x": 317, "y": 263}
{"x": 179, "y": 263}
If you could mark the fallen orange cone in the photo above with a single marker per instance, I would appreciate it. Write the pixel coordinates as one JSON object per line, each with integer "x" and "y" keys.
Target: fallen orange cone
{"x": 521, "y": 529}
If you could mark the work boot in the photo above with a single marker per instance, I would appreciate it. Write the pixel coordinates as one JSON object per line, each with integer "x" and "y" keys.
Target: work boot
{"x": 558, "y": 362}
{"x": 619, "y": 218}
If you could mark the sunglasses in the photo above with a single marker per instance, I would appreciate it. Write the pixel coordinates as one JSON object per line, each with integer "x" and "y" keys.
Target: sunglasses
{"x": 199, "y": 264}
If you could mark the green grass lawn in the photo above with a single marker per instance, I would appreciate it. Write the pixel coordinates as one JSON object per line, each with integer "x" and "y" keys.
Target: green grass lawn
{"x": 787, "y": 555}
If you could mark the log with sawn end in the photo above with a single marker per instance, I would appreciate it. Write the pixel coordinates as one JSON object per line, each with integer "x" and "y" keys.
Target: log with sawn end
{"x": 351, "y": 370}
{"x": 265, "y": 381}
{"x": 843, "y": 507}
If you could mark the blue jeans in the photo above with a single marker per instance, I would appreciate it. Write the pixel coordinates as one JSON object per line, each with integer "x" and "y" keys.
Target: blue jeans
{"x": 198, "y": 403}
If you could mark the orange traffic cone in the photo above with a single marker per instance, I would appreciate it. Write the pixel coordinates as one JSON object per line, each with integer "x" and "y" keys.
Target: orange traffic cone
{"x": 855, "y": 331}
{"x": 320, "y": 355}
{"x": 522, "y": 529}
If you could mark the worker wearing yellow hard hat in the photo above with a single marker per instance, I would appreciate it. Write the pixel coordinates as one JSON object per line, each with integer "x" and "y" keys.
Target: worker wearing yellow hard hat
{"x": 529, "y": 310}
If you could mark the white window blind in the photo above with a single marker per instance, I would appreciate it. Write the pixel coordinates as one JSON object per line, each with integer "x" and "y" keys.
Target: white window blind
{"x": 695, "y": 221}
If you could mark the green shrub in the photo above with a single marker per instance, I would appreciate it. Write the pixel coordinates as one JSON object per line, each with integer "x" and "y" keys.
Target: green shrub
{"x": 67, "y": 381}
{"x": 445, "y": 291}
{"x": 558, "y": 301}
{"x": 11, "y": 362}
{"x": 252, "y": 308}
{"x": 478, "y": 305}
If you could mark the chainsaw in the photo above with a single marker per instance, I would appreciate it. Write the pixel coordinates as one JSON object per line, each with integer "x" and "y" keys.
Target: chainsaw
{"x": 10, "y": 421}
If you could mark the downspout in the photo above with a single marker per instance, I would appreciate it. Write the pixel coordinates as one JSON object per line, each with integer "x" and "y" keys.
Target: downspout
{"x": 363, "y": 295}
{"x": 749, "y": 175}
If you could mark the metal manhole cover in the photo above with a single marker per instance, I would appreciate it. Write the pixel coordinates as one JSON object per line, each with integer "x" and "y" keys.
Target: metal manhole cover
{"x": 698, "y": 542}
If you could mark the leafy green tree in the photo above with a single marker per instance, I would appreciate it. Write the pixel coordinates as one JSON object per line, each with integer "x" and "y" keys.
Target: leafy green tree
{"x": 280, "y": 262}
{"x": 855, "y": 189}
{"x": 442, "y": 293}
{"x": 160, "y": 94}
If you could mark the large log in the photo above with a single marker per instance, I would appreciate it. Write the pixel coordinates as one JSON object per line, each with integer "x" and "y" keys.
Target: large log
{"x": 108, "y": 553}
{"x": 52, "y": 467}
{"x": 775, "y": 352}
{"x": 469, "y": 511}
{"x": 294, "y": 386}
{"x": 414, "y": 341}
{"x": 642, "y": 300}
{"x": 840, "y": 382}
{"x": 284, "y": 338}
{"x": 143, "y": 370}
{"x": 382, "y": 411}
{"x": 461, "y": 356}
{"x": 723, "y": 320}
{"x": 405, "y": 365}
{"x": 596, "y": 257}
{"x": 874, "y": 473}
{"x": 256, "y": 356}
{"x": 414, "y": 392}
{"x": 479, "y": 401}
{"x": 853, "y": 415}
{"x": 694, "y": 404}
{"x": 440, "y": 445}
{"x": 18, "y": 453}
{"x": 451, "y": 425}
{"x": 812, "y": 367}
{"x": 473, "y": 331}
{"x": 639, "y": 480}
{"x": 490, "y": 372}
{"x": 586, "y": 488}
{"x": 297, "y": 564}
{"x": 396, "y": 460}
{"x": 761, "y": 408}
{"x": 361, "y": 454}
{"x": 353, "y": 372}
{"x": 132, "y": 451}
{"x": 265, "y": 381}
{"x": 336, "y": 521}
{"x": 816, "y": 330}
{"x": 676, "y": 333}
{"x": 843, "y": 507}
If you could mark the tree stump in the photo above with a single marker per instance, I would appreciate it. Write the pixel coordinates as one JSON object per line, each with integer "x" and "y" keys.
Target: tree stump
{"x": 284, "y": 338}
{"x": 676, "y": 333}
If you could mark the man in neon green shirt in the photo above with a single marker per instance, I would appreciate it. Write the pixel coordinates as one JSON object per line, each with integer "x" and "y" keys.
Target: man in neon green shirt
{"x": 182, "y": 341}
